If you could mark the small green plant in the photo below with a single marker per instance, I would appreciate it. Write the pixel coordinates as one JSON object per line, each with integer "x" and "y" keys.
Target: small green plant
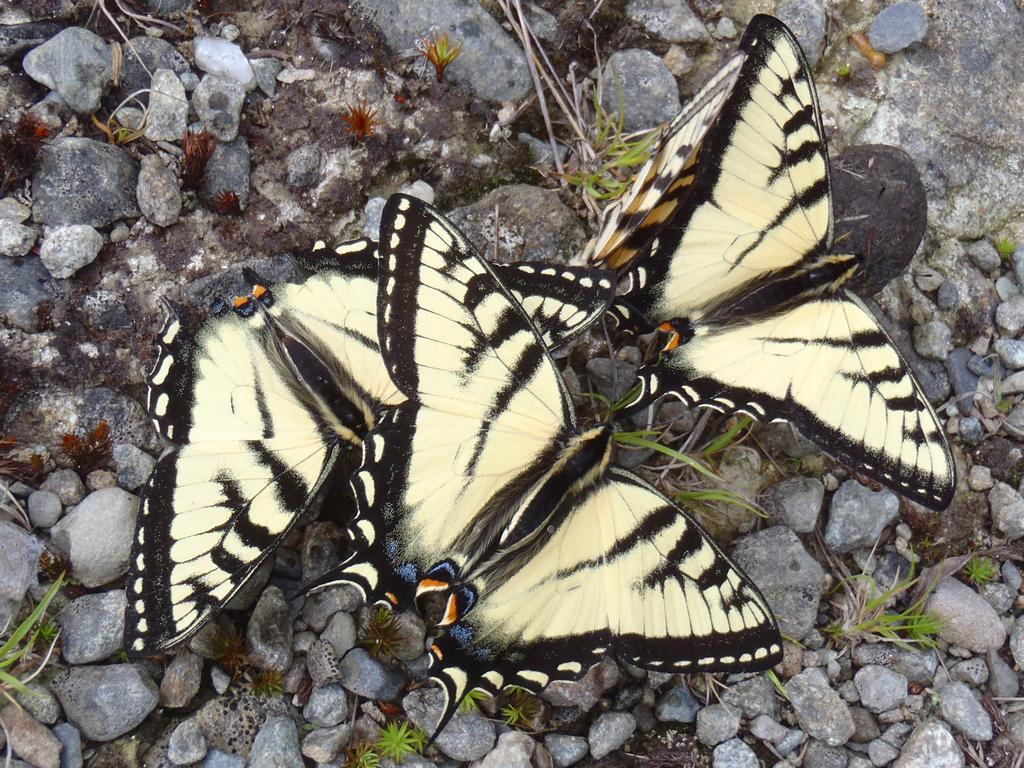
{"x": 382, "y": 633}
{"x": 268, "y": 682}
{"x": 398, "y": 740}
{"x": 521, "y": 709}
{"x": 865, "y": 613}
{"x": 844, "y": 70}
{"x": 121, "y": 656}
{"x": 17, "y": 654}
{"x": 1006, "y": 248}
{"x": 981, "y": 570}
{"x": 440, "y": 51}
{"x": 730, "y": 437}
{"x": 362, "y": 755}
{"x": 472, "y": 700}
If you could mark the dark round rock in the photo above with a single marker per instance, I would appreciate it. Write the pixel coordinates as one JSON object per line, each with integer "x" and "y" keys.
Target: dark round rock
{"x": 880, "y": 210}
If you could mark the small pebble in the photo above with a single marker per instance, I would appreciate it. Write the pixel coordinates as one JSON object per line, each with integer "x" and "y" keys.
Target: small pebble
{"x": 44, "y": 508}
{"x": 898, "y": 26}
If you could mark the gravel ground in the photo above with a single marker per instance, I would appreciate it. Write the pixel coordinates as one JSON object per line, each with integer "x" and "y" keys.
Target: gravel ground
{"x": 109, "y": 212}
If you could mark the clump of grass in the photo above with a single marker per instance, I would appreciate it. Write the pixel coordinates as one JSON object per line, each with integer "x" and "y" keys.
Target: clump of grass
{"x": 397, "y": 741}
{"x": 20, "y": 149}
{"x": 116, "y": 133}
{"x": 981, "y": 570}
{"x": 268, "y": 682}
{"x": 19, "y": 662}
{"x": 360, "y": 119}
{"x": 522, "y": 708}
{"x": 472, "y": 700}
{"x": 381, "y": 633}
{"x": 440, "y": 51}
{"x": 91, "y": 451}
{"x": 866, "y": 613}
{"x": 362, "y": 755}
{"x": 229, "y": 649}
{"x": 608, "y": 173}
{"x": 1005, "y": 247}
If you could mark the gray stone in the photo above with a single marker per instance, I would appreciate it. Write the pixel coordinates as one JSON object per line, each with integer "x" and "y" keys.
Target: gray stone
{"x": 1006, "y": 287}
{"x": 365, "y": 676}
{"x": 973, "y": 671}
{"x": 92, "y": 626}
{"x": 1017, "y": 643}
{"x": 807, "y": 20}
{"x": 726, "y": 28}
{"x": 67, "y": 485}
{"x": 167, "y": 118}
{"x": 612, "y": 378}
{"x": 639, "y": 85}
{"x": 75, "y": 63}
{"x": 158, "y": 193}
{"x": 276, "y": 745}
{"x": 881, "y": 752}
{"x": 963, "y": 380}
{"x": 133, "y": 465}
{"x": 717, "y": 723}
{"x": 566, "y": 750}
{"x": 44, "y": 508}
{"x": 65, "y": 250}
{"x": 916, "y": 666}
{"x": 533, "y": 224}
{"x": 1010, "y": 315}
{"x": 880, "y": 688}
{"x": 25, "y": 287}
{"x": 325, "y": 744}
{"x": 71, "y": 745}
{"x": 609, "y": 732}
{"x": 1003, "y": 682}
{"x": 217, "y": 759}
{"x": 971, "y": 430}
{"x": 15, "y": 239}
{"x": 948, "y": 296}
{"x": 187, "y": 744}
{"x": 585, "y": 692}
{"x": 181, "y": 679}
{"x": 898, "y": 26}
{"x": 1007, "y": 507}
{"x": 933, "y": 340}
{"x": 321, "y": 606}
{"x": 492, "y": 65}
{"x": 767, "y": 729}
{"x": 1011, "y": 352}
{"x": 754, "y": 696}
{"x": 668, "y": 20}
{"x": 303, "y": 166}
{"x": 227, "y": 171}
{"x": 97, "y": 535}
{"x": 930, "y": 745}
{"x": 29, "y": 739}
{"x": 734, "y": 754}
{"x": 105, "y": 702}
{"x": 984, "y": 255}
{"x": 153, "y": 52}
{"x": 221, "y": 57}
{"x": 513, "y": 750}
{"x": 266, "y": 71}
{"x": 858, "y": 515}
{"x": 795, "y": 502}
{"x": 81, "y": 181}
{"x": 327, "y": 705}
{"x": 39, "y": 703}
{"x": 217, "y": 101}
{"x": 820, "y": 755}
{"x": 819, "y": 710}
{"x": 268, "y": 635}
{"x": 966, "y": 618}
{"x": 962, "y": 709}
{"x": 340, "y": 633}
{"x": 323, "y": 663}
{"x": 788, "y": 577}
{"x": 19, "y": 556}
{"x": 677, "y": 705}
{"x": 468, "y": 736}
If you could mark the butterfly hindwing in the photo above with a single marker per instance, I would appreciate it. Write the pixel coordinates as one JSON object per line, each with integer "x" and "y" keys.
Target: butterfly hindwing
{"x": 829, "y": 367}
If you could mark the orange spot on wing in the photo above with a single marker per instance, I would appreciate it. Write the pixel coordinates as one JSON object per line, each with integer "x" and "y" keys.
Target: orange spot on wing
{"x": 673, "y": 339}
{"x": 426, "y": 585}
{"x": 239, "y": 301}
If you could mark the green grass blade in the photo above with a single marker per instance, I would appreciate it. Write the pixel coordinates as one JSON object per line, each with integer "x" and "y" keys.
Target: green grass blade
{"x": 635, "y": 440}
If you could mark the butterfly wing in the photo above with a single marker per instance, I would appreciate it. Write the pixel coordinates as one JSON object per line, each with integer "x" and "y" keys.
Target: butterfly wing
{"x": 214, "y": 508}
{"x": 830, "y": 368}
{"x": 627, "y": 573}
{"x": 759, "y": 204}
{"x": 663, "y": 182}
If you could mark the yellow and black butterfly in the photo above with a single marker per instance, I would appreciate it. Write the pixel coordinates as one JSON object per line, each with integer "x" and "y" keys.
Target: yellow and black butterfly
{"x": 260, "y": 401}
{"x": 483, "y": 493}
{"x": 724, "y": 242}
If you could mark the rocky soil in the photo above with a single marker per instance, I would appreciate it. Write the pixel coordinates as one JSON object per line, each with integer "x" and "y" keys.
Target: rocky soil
{"x": 104, "y": 209}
